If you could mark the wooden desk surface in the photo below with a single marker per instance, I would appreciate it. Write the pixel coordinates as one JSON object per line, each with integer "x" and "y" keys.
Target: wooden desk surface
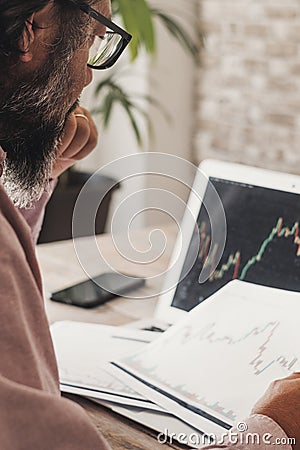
{"x": 60, "y": 268}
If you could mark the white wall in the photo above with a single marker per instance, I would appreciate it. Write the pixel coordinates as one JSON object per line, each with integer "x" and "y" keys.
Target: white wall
{"x": 170, "y": 78}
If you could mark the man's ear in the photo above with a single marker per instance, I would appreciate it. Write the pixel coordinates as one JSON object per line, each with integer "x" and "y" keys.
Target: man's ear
{"x": 27, "y": 40}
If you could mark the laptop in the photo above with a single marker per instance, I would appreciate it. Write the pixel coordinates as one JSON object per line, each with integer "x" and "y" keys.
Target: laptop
{"x": 262, "y": 246}
{"x": 247, "y": 227}
{"x": 240, "y": 223}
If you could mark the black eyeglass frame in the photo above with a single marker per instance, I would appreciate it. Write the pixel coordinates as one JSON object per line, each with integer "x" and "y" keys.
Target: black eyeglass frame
{"x": 126, "y": 37}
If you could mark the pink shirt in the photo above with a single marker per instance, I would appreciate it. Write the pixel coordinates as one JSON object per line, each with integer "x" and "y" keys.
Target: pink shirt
{"x": 33, "y": 415}
{"x": 34, "y": 216}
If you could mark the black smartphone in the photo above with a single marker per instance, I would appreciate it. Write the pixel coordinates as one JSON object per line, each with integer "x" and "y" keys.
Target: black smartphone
{"x": 89, "y": 294}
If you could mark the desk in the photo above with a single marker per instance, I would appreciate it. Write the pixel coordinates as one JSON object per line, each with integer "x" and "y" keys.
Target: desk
{"x": 60, "y": 268}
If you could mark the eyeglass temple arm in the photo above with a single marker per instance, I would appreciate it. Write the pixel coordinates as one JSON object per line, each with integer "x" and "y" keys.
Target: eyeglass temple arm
{"x": 108, "y": 23}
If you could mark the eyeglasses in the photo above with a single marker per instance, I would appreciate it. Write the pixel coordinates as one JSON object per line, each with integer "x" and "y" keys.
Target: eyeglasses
{"x": 106, "y": 49}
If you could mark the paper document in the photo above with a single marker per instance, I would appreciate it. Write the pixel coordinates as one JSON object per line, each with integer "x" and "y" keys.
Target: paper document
{"x": 83, "y": 352}
{"x": 212, "y": 367}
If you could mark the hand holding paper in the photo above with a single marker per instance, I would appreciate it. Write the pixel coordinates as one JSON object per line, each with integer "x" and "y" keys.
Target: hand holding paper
{"x": 281, "y": 403}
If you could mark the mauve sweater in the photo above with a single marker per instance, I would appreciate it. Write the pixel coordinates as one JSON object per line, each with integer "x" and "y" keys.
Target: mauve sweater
{"x": 33, "y": 415}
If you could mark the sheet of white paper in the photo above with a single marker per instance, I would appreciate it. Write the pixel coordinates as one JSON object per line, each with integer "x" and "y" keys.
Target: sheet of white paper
{"x": 211, "y": 368}
{"x": 83, "y": 352}
{"x": 102, "y": 396}
{"x": 164, "y": 423}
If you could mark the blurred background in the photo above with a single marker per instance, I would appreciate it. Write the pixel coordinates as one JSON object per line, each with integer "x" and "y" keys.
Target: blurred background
{"x": 203, "y": 79}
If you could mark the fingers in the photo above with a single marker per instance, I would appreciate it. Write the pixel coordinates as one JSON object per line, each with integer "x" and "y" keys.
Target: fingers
{"x": 80, "y": 136}
{"x": 92, "y": 140}
{"x": 68, "y": 136}
{"x": 79, "y": 139}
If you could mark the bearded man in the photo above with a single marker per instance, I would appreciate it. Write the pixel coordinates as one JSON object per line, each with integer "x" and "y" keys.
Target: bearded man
{"x": 47, "y": 52}
{"x": 44, "y": 50}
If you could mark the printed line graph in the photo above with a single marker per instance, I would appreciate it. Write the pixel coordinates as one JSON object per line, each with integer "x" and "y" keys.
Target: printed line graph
{"x": 222, "y": 358}
{"x": 99, "y": 379}
{"x": 182, "y": 390}
{"x": 190, "y": 341}
{"x": 209, "y": 334}
{"x": 191, "y": 336}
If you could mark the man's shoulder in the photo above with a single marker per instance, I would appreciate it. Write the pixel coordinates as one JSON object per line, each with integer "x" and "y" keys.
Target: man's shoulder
{"x": 17, "y": 252}
{"x": 14, "y": 232}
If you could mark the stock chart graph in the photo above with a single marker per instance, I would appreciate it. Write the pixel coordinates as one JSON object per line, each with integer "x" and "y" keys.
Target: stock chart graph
{"x": 221, "y": 367}
{"x": 162, "y": 367}
{"x": 262, "y": 245}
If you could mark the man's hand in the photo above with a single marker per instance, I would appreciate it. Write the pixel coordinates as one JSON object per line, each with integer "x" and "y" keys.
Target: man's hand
{"x": 79, "y": 139}
{"x": 281, "y": 403}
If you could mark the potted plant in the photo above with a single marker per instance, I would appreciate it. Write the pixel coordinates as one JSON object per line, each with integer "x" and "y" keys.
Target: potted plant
{"x": 139, "y": 17}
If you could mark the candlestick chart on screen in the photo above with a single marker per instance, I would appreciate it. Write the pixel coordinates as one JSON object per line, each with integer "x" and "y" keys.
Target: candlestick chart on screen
{"x": 262, "y": 244}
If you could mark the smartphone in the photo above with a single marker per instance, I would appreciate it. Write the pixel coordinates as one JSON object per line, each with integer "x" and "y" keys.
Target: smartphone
{"x": 89, "y": 294}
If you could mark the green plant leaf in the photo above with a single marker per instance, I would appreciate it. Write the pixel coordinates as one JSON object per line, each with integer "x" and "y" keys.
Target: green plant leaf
{"x": 177, "y": 32}
{"x": 158, "y": 105}
{"x": 114, "y": 7}
{"x": 107, "y": 108}
{"x": 137, "y": 18}
{"x": 134, "y": 123}
{"x": 113, "y": 94}
{"x": 144, "y": 18}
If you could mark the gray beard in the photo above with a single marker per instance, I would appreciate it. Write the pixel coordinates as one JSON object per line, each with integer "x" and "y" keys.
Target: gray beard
{"x": 23, "y": 184}
{"x": 32, "y": 120}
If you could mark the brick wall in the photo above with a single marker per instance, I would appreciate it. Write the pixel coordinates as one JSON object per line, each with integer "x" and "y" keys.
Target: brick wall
{"x": 248, "y": 104}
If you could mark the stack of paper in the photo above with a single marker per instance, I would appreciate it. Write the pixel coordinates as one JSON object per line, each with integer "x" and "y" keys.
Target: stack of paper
{"x": 208, "y": 370}
{"x": 83, "y": 352}
{"x": 212, "y": 367}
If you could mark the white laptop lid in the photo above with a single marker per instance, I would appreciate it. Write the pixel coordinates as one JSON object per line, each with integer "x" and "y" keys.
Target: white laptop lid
{"x": 262, "y": 210}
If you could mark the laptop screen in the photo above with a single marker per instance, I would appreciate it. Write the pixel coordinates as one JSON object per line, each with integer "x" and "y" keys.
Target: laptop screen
{"x": 262, "y": 245}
